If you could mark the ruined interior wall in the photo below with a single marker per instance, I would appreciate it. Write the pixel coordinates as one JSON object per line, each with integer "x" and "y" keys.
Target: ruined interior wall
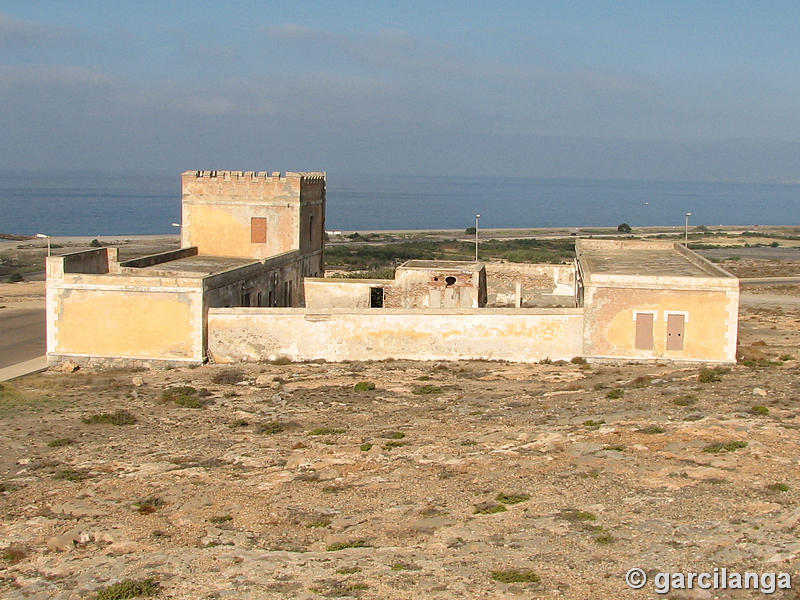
{"x": 261, "y": 284}
{"x": 426, "y": 288}
{"x": 240, "y": 334}
{"x": 710, "y": 328}
{"x": 536, "y": 280}
{"x": 342, "y": 293}
{"x": 123, "y": 317}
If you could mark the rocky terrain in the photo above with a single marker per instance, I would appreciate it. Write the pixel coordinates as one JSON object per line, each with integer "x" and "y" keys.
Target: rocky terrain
{"x": 447, "y": 480}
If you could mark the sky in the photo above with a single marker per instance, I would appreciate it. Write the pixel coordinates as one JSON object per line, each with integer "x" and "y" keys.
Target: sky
{"x": 667, "y": 90}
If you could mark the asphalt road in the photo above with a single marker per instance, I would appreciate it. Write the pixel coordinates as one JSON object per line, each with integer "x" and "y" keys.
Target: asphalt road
{"x": 22, "y": 335}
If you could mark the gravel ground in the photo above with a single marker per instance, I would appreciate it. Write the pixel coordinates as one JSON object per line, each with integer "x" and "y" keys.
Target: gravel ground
{"x": 448, "y": 480}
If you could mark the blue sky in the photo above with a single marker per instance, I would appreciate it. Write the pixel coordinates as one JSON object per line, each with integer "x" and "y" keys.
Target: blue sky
{"x": 636, "y": 90}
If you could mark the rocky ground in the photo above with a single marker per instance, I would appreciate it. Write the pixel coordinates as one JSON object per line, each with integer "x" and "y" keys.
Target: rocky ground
{"x": 447, "y": 480}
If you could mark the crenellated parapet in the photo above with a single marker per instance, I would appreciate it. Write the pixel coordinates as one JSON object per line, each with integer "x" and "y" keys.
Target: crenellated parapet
{"x": 255, "y": 175}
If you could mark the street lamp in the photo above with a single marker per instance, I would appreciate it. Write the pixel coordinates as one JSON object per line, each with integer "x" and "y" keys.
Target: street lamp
{"x": 42, "y": 235}
{"x": 686, "y": 230}
{"x": 476, "y": 237}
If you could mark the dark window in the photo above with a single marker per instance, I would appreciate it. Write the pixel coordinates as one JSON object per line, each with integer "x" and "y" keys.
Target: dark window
{"x": 376, "y": 297}
{"x": 450, "y": 281}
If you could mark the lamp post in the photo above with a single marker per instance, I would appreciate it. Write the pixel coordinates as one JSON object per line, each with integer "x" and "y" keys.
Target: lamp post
{"x": 476, "y": 237}
{"x": 686, "y": 230}
{"x": 42, "y": 235}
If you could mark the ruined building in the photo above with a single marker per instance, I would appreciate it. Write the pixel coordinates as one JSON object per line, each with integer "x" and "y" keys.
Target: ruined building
{"x": 248, "y": 285}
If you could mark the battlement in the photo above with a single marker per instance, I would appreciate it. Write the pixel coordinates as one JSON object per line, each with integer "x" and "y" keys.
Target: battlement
{"x": 256, "y": 175}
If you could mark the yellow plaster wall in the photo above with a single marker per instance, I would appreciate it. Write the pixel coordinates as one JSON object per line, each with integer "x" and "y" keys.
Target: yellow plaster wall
{"x": 224, "y": 230}
{"x": 250, "y": 334}
{"x": 128, "y": 324}
{"x": 611, "y": 327}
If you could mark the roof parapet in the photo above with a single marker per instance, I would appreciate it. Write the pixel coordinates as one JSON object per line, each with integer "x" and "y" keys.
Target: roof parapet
{"x": 257, "y": 175}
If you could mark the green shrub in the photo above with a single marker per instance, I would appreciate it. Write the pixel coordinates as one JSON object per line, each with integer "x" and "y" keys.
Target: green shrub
{"x": 270, "y": 428}
{"x": 326, "y": 431}
{"x": 120, "y": 417}
{"x": 615, "y": 447}
{"x": 624, "y": 228}
{"x": 397, "y": 435}
{"x": 760, "y": 410}
{"x": 604, "y": 539}
{"x": 364, "y": 386}
{"x": 641, "y": 381}
{"x": 427, "y": 389}
{"x": 577, "y": 360}
{"x": 393, "y": 444}
{"x": 651, "y": 430}
{"x": 719, "y": 447}
{"x": 712, "y": 375}
{"x": 515, "y": 576}
{"x": 615, "y": 394}
{"x": 58, "y": 443}
{"x": 13, "y": 553}
{"x": 686, "y": 400}
{"x": 70, "y": 475}
{"x": 592, "y": 424}
{"x": 229, "y": 376}
{"x": 778, "y": 487}
{"x": 185, "y": 396}
{"x": 148, "y": 505}
{"x": 365, "y": 447}
{"x": 220, "y": 519}
{"x": 15, "y": 278}
{"x": 512, "y": 498}
{"x": 129, "y": 589}
{"x": 319, "y": 523}
{"x": 489, "y": 508}
{"x": 344, "y": 545}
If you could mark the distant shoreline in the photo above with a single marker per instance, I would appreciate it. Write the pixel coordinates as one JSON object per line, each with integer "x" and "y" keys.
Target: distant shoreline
{"x": 587, "y": 229}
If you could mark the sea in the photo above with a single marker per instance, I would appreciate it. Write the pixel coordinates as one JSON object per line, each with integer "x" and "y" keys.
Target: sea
{"x": 95, "y": 204}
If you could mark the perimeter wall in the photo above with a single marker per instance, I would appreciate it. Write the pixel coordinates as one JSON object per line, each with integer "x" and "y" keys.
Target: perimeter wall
{"x": 254, "y": 334}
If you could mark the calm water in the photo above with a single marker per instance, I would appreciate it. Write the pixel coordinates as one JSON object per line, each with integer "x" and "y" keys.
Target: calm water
{"x": 137, "y": 204}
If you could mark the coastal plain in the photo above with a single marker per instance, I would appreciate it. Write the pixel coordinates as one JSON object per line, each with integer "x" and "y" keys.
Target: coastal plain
{"x": 404, "y": 479}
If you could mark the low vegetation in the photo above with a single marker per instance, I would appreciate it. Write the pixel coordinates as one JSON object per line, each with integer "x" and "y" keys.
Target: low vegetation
{"x": 719, "y": 447}
{"x": 515, "y": 576}
{"x": 119, "y": 417}
{"x": 130, "y": 588}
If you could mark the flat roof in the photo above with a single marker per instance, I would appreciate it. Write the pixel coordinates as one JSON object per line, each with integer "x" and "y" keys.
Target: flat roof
{"x": 644, "y": 258}
{"x": 459, "y": 265}
{"x": 192, "y": 266}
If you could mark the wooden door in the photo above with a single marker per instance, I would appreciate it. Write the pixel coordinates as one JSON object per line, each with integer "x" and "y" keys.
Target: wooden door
{"x": 644, "y": 331}
{"x": 675, "y": 328}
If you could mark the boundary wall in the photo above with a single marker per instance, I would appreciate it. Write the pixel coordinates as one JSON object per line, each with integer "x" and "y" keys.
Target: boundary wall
{"x": 257, "y": 334}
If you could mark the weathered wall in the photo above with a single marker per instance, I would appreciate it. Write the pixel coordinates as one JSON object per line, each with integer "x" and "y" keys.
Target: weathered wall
{"x": 101, "y": 260}
{"x": 218, "y": 206}
{"x": 242, "y": 334}
{"x": 125, "y": 317}
{"x": 342, "y": 293}
{"x": 260, "y": 284}
{"x": 710, "y": 329}
{"x": 425, "y": 287}
{"x": 535, "y": 280}
{"x": 312, "y": 216}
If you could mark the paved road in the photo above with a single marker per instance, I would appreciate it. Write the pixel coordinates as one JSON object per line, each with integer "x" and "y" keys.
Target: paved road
{"x": 769, "y": 280}
{"x": 22, "y": 335}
